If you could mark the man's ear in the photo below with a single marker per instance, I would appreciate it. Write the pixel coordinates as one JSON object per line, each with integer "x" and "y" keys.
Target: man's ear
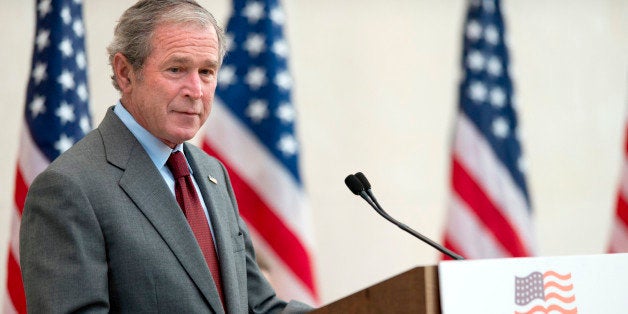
{"x": 123, "y": 71}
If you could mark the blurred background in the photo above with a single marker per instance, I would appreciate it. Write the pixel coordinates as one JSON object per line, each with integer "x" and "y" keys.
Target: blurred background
{"x": 376, "y": 90}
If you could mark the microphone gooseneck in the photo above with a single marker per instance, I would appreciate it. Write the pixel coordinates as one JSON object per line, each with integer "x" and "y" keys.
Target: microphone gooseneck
{"x": 359, "y": 185}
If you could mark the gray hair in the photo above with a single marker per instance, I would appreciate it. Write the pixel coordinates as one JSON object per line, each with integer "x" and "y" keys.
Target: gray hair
{"x": 134, "y": 33}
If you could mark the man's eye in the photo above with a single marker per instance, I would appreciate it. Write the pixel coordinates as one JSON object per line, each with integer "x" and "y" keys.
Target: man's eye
{"x": 175, "y": 70}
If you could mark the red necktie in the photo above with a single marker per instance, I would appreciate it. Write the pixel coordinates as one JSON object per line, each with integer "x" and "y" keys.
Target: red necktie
{"x": 193, "y": 210}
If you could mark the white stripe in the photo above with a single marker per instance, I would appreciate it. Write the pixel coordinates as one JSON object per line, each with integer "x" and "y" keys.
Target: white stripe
{"x": 477, "y": 157}
{"x": 14, "y": 237}
{"x": 467, "y": 233}
{"x": 30, "y": 159}
{"x": 258, "y": 167}
{"x": 287, "y": 285}
{"x": 619, "y": 236}
{"x": 8, "y": 308}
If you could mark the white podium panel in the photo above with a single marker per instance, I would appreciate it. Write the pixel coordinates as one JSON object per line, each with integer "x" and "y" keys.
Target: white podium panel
{"x": 565, "y": 284}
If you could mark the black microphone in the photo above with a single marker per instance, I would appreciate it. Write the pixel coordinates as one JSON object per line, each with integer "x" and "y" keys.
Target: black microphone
{"x": 359, "y": 185}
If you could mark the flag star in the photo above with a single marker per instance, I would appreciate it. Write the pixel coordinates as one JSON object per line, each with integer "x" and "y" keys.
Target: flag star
{"x": 226, "y": 76}
{"x": 81, "y": 60}
{"x": 475, "y": 60}
{"x": 256, "y": 77}
{"x": 78, "y": 28}
{"x": 254, "y": 11}
{"x": 78, "y": 1}
{"x": 66, "y": 47}
{"x": 65, "y": 112}
{"x": 281, "y": 48}
{"x": 286, "y": 113}
{"x": 44, "y": 8}
{"x": 477, "y": 92}
{"x": 39, "y": 72}
{"x": 84, "y": 124}
{"x": 494, "y": 66}
{"x": 283, "y": 80}
{"x": 497, "y": 97}
{"x": 64, "y": 143}
{"x": 66, "y": 16}
{"x": 288, "y": 145}
{"x": 66, "y": 79}
{"x": 254, "y": 44}
{"x": 500, "y": 127}
{"x": 257, "y": 110}
{"x": 81, "y": 91}
{"x": 37, "y": 106}
{"x": 474, "y": 30}
{"x": 229, "y": 42}
{"x": 489, "y": 5}
{"x": 43, "y": 39}
{"x": 277, "y": 16}
{"x": 491, "y": 34}
{"x": 522, "y": 164}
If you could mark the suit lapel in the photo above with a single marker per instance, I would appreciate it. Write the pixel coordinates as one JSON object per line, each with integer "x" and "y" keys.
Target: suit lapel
{"x": 145, "y": 186}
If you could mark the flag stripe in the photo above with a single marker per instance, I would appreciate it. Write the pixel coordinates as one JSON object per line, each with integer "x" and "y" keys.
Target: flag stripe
{"x": 622, "y": 209}
{"x": 15, "y": 285}
{"x": 619, "y": 237}
{"x": 473, "y": 195}
{"x": 618, "y": 242}
{"x": 468, "y": 236}
{"x": 21, "y": 188}
{"x": 270, "y": 227}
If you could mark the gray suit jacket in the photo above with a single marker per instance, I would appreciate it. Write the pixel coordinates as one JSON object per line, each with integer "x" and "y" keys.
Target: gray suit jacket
{"x": 101, "y": 232}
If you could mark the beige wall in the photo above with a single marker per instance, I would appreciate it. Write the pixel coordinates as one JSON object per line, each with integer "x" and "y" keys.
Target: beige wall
{"x": 376, "y": 92}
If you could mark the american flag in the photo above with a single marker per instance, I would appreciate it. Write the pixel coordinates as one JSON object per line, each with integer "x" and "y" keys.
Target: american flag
{"x": 548, "y": 292}
{"x": 252, "y": 131}
{"x": 619, "y": 229}
{"x": 490, "y": 214}
{"x": 56, "y": 114}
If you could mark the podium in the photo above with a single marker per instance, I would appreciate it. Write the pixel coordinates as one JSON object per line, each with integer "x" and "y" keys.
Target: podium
{"x": 414, "y": 291}
{"x": 562, "y": 284}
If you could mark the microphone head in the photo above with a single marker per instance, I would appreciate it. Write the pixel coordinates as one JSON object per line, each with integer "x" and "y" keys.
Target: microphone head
{"x": 363, "y": 180}
{"x": 354, "y": 184}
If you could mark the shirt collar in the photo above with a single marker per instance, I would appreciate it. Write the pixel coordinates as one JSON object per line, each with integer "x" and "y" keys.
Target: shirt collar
{"x": 156, "y": 149}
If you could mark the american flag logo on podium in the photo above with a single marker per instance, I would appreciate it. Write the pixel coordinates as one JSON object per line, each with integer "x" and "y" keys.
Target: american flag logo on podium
{"x": 548, "y": 292}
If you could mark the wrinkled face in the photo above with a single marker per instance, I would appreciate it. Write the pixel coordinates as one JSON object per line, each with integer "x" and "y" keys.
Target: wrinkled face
{"x": 172, "y": 96}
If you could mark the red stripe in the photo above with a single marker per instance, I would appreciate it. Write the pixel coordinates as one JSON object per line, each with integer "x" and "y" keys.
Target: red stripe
{"x": 473, "y": 195}
{"x": 451, "y": 246}
{"x": 262, "y": 218}
{"x": 21, "y": 188}
{"x": 15, "y": 285}
{"x": 622, "y": 209}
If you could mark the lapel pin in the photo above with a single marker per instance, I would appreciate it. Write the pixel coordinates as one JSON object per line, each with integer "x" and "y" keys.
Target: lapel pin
{"x": 212, "y": 179}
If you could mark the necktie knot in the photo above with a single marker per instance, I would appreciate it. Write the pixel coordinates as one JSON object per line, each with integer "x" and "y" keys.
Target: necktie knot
{"x": 177, "y": 165}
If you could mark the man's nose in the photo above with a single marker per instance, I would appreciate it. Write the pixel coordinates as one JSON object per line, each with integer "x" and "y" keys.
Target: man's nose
{"x": 194, "y": 86}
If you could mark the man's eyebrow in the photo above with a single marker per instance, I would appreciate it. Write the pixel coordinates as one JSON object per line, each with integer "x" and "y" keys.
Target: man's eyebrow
{"x": 186, "y": 60}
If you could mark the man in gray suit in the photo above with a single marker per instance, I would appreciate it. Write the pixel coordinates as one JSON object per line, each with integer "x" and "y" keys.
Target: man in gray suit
{"x": 105, "y": 227}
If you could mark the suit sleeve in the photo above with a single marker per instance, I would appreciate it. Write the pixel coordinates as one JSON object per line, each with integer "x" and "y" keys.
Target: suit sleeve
{"x": 62, "y": 250}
